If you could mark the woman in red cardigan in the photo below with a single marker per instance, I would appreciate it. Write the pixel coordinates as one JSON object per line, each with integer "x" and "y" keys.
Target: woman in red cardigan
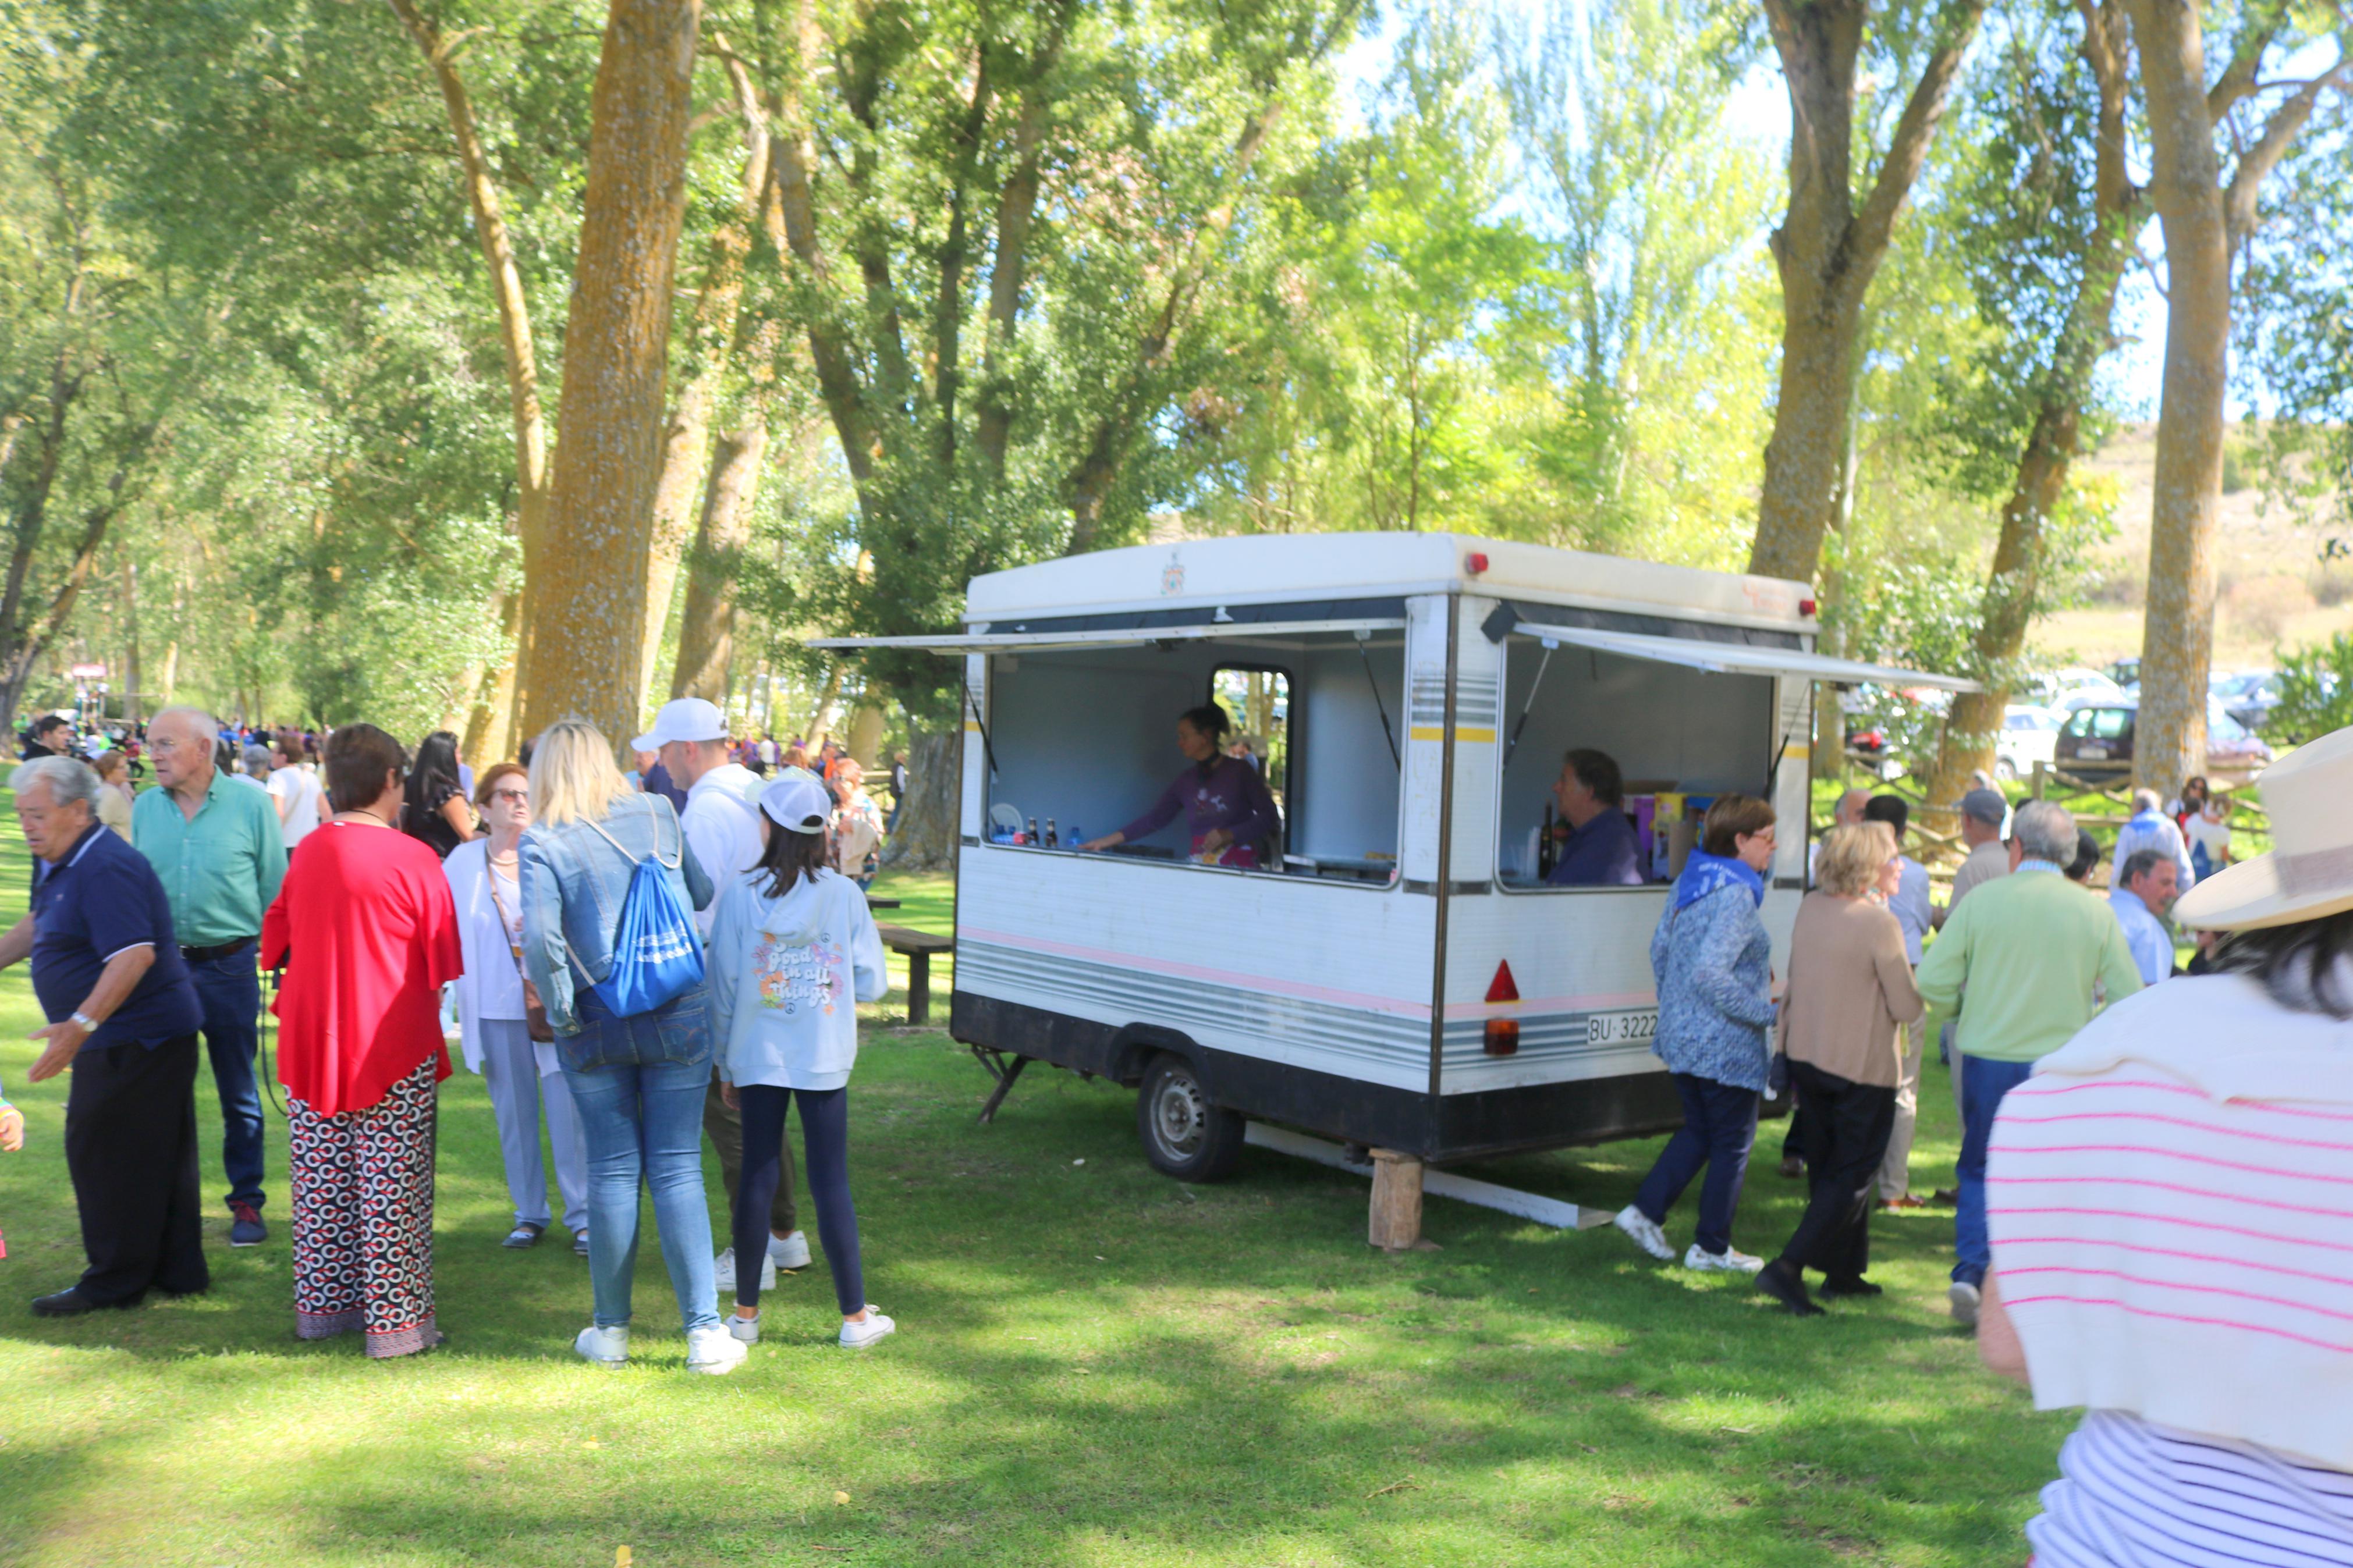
{"x": 368, "y": 935}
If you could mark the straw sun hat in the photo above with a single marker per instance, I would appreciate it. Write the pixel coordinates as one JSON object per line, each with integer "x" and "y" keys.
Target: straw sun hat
{"x": 2309, "y": 872}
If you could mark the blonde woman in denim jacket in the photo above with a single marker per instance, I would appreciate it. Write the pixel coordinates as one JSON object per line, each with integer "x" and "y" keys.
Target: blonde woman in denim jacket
{"x": 637, "y": 1082}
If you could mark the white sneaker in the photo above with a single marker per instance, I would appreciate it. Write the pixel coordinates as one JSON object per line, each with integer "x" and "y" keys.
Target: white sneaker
{"x": 723, "y": 1269}
{"x": 1731, "y": 1260}
{"x": 1965, "y": 1300}
{"x": 714, "y": 1350}
{"x": 605, "y": 1347}
{"x": 743, "y": 1328}
{"x": 786, "y": 1252}
{"x": 1645, "y": 1232}
{"x": 858, "y": 1336}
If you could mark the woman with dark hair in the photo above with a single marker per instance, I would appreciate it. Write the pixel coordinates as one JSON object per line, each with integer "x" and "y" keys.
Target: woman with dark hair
{"x": 1227, "y": 809}
{"x": 793, "y": 953}
{"x": 434, "y": 809}
{"x": 2170, "y": 1198}
{"x": 1713, "y": 965}
{"x": 367, "y": 935}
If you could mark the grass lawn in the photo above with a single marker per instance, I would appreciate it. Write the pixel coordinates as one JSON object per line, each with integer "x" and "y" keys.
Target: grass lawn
{"x": 1095, "y": 1365}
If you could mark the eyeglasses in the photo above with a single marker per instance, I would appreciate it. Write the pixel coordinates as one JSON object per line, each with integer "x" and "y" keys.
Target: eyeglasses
{"x": 520, "y": 796}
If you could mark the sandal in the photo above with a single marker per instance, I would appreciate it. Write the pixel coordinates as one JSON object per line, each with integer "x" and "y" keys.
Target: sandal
{"x": 522, "y": 1235}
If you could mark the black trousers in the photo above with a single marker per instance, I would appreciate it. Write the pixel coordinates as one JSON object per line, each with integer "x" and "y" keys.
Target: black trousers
{"x": 131, "y": 1148}
{"x": 1845, "y": 1138}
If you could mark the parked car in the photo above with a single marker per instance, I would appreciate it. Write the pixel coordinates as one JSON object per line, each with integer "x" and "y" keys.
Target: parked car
{"x": 2097, "y": 743}
{"x": 2125, "y": 672}
{"x": 2248, "y": 696}
{"x": 2029, "y": 734}
{"x": 2068, "y": 690}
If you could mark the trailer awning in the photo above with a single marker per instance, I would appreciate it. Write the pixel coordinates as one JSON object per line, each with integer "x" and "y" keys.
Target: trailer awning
{"x": 1124, "y": 636}
{"x": 1738, "y": 659}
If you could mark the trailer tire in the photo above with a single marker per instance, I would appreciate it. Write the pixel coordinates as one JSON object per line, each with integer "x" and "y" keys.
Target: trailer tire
{"x": 1185, "y": 1134}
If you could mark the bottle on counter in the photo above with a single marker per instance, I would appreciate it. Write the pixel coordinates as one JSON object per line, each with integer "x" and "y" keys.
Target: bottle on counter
{"x": 1076, "y": 836}
{"x": 1033, "y": 840}
{"x": 1053, "y": 839}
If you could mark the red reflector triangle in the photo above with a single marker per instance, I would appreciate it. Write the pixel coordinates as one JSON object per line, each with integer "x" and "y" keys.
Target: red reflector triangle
{"x": 1503, "y": 989}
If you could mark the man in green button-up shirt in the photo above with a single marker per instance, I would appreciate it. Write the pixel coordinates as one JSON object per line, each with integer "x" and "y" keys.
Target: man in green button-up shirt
{"x": 2037, "y": 956}
{"x": 218, "y": 846}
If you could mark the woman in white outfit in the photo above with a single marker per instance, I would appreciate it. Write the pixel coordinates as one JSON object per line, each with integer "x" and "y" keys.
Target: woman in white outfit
{"x": 522, "y": 1074}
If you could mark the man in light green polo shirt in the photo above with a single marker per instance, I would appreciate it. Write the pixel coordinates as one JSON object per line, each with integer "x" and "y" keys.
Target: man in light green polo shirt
{"x": 219, "y": 849}
{"x": 2036, "y": 956}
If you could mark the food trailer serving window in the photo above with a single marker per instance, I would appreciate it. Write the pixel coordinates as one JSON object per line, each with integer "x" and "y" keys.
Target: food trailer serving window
{"x": 1685, "y": 717}
{"x": 1083, "y": 730}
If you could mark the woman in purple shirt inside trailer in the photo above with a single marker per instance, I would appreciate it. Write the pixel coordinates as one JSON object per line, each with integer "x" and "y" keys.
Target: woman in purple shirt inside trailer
{"x": 1227, "y": 807}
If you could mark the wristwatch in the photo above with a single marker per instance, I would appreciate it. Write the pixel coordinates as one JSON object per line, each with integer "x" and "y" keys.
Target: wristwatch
{"x": 89, "y": 1025}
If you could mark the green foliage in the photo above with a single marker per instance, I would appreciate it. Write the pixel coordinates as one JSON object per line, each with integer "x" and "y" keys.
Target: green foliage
{"x": 2316, "y": 690}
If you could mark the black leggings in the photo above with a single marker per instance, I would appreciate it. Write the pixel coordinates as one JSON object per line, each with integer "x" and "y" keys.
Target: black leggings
{"x": 825, "y": 1143}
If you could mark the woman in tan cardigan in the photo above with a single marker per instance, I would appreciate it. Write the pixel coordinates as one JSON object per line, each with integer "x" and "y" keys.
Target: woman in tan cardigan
{"x": 1849, "y": 985}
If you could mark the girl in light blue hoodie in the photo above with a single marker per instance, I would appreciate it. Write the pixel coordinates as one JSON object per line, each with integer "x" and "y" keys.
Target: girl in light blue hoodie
{"x": 793, "y": 952}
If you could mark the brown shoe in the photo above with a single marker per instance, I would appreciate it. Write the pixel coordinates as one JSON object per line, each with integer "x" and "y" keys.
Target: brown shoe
{"x": 1792, "y": 1167}
{"x": 1907, "y": 1202}
{"x": 1946, "y": 1196}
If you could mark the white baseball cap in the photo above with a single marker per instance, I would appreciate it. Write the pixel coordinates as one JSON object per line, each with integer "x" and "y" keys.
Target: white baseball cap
{"x": 684, "y": 719}
{"x": 797, "y": 800}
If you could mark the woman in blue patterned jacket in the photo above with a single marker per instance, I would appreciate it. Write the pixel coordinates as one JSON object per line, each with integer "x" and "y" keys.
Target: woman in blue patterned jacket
{"x": 1713, "y": 964}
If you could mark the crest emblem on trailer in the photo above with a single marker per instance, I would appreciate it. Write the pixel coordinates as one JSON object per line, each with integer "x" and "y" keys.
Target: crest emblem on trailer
{"x": 1172, "y": 578}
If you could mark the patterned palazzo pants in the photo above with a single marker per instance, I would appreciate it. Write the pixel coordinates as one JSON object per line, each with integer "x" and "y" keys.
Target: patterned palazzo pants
{"x": 363, "y": 1196}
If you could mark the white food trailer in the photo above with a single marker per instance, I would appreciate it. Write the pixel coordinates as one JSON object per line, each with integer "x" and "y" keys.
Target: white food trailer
{"x": 1400, "y": 979}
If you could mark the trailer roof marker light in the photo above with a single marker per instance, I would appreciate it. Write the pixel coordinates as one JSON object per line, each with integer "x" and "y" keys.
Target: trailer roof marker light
{"x": 1502, "y": 1036}
{"x": 1808, "y": 607}
{"x": 1475, "y": 562}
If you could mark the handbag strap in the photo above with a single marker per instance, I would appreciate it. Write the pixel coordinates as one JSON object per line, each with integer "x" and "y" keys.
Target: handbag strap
{"x": 515, "y": 946}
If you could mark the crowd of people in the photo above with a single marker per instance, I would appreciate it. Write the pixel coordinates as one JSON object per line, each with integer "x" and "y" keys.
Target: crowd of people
{"x": 2149, "y": 1212}
{"x": 2149, "y": 1220}
{"x": 629, "y": 961}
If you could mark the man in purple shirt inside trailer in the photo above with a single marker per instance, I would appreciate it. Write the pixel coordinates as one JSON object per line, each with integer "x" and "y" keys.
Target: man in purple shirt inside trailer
{"x": 1601, "y": 850}
{"x": 1229, "y": 811}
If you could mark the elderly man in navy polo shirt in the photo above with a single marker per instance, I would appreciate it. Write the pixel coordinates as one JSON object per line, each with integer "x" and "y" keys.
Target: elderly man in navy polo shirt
{"x": 123, "y": 1016}
{"x": 1601, "y": 850}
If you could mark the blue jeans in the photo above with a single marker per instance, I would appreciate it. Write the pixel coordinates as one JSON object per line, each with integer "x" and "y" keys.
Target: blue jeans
{"x": 1719, "y": 1128}
{"x": 1984, "y": 1081}
{"x": 824, "y": 1136}
{"x": 642, "y": 1121}
{"x": 229, "y": 991}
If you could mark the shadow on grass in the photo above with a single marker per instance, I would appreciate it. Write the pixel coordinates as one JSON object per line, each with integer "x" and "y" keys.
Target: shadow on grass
{"x": 1096, "y": 1364}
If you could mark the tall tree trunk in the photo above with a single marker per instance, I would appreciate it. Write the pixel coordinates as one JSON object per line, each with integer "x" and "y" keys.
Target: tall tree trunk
{"x": 706, "y": 634}
{"x": 489, "y": 735}
{"x": 487, "y": 727}
{"x": 2202, "y": 219}
{"x": 587, "y": 577}
{"x": 2177, "y": 635}
{"x": 926, "y": 836}
{"x": 686, "y": 435}
{"x": 133, "y": 708}
{"x": 2053, "y": 441}
{"x": 1826, "y": 251}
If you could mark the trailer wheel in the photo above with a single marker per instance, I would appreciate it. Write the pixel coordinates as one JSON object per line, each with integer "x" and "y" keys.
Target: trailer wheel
{"x": 1185, "y": 1135}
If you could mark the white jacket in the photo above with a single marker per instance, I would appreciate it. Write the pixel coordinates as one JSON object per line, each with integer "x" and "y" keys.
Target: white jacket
{"x": 787, "y": 975}
{"x": 490, "y": 987}
{"x": 2170, "y": 1198}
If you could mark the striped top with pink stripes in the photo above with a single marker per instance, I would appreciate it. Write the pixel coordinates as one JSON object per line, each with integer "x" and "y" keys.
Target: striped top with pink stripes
{"x": 2170, "y": 1200}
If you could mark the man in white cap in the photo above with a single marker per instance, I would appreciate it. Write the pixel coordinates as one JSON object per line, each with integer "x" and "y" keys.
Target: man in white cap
{"x": 690, "y": 736}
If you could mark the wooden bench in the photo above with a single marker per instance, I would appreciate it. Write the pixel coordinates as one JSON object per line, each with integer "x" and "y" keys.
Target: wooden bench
{"x": 916, "y": 947}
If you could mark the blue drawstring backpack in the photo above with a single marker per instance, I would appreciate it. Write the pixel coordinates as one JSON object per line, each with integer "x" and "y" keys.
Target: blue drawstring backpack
{"x": 657, "y": 952}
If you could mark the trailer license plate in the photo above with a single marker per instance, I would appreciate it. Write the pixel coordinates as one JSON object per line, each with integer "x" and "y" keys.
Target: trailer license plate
{"x": 1621, "y": 1028}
